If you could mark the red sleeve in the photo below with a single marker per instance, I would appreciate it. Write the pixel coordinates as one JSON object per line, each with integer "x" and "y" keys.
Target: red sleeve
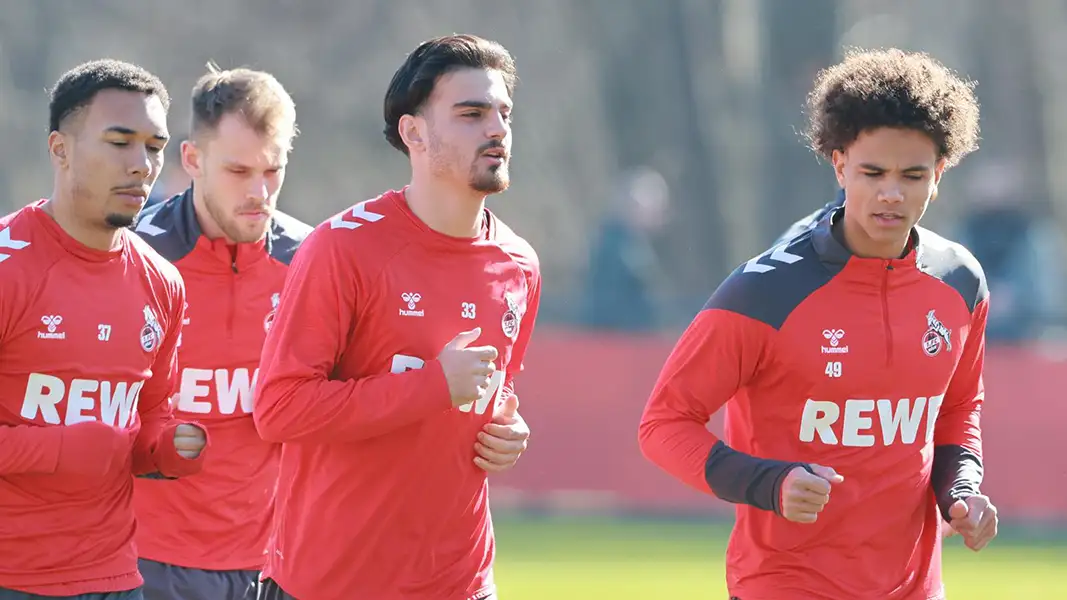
{"x": 153, "y": 450}
{"x": 718, "y": 354}
{"x": 29, "y": 449}
{"x": 23, "y": 448}
{"x": 296, "y": 398}
{"x": 957, "y": 470}
{"x": 518, "y": 352}
{"x": 958, "y": 422}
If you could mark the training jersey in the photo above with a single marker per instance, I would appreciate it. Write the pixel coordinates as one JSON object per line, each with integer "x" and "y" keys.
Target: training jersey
{"x": 218, "y": 519}
{"x": 88, "y": 343}
{"x": 818, "y": 356}
{"x": 379, "y": 496}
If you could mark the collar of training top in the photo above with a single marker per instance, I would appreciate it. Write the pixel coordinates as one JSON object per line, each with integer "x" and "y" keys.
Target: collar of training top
{"x": 189, "y": 227}
{"x": 832, "y": 251}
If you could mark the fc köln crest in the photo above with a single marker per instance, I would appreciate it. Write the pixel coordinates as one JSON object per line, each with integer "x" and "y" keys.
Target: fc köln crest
{"x": 937, "y": 336}
{"x": 152, "y": 332}
{"x": 512, "y": 319}
{"x": 274, "y": 300}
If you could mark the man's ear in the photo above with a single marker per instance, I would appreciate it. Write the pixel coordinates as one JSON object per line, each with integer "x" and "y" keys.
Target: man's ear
{"x": 939, "y": 170}
{"x": 839, "y": 160}
{"x": 58, "y": 149}
{"x": 192, "y": 159}
{"x": 412, "y": 131}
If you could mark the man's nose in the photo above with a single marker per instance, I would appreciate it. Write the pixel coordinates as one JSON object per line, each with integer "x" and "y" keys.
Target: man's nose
{"x": 257, "y": 189}
{"x": 891, "y": 194}
{"x": 140, "y": 163}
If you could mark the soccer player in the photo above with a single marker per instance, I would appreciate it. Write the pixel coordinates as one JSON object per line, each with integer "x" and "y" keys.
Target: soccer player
{"x": 401, "y": 326}
{"x": 90, "y": 319}
{"x": 203, "y": 537}
{"x": 849, "y": 362}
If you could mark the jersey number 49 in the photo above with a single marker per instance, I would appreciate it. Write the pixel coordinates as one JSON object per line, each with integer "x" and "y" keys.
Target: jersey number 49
{"x": 402, "y": 362}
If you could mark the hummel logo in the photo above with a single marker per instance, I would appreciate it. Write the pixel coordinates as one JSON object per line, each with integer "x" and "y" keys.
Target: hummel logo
{"x": 7, "y": 242}
{"x": 358, "y": 211}
{"x": 412, "y": 300}
{"x": 834, "y": 336}
{"x": 51, "y": 323}
{"x": 778, "y": 254}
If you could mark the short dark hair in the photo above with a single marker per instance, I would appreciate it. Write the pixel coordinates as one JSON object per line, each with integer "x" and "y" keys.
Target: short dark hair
{"x": 414, "y": 81}
{"x": 870, "y": 89}
{"x": 78, "y": 86}
{"x": 255, "y": 95}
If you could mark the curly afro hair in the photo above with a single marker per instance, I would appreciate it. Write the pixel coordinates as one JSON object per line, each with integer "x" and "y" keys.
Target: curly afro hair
{"x": 892, "y": 88}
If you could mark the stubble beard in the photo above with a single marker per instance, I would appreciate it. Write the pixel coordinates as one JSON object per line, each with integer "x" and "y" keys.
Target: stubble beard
{"x": 491, "y": 181}
{"x": 112, "y": 221}
{"x": 230, "y": 227}
{"x": 118, "y": 221}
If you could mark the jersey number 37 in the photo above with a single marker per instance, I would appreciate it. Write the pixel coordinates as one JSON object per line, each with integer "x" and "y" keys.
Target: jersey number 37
{"x": 402, "y": 362}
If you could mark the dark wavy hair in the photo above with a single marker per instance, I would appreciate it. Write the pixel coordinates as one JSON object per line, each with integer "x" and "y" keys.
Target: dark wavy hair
{"x": 870, "y": 89}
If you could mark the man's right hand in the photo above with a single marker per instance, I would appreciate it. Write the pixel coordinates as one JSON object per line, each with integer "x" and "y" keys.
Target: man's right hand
{"x": 804, "y": 495}
{"x": 468, "y": 370}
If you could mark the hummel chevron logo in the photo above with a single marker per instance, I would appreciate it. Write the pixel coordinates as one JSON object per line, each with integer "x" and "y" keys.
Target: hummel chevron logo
{"x": 7, "y": 242}
{"x": 778, "y": 254}
{"x": 358, "y": 211}
{"x": 146, "y": 226}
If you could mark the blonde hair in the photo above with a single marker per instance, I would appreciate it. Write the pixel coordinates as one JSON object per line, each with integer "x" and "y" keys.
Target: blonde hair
{"x": 257, "y": 96}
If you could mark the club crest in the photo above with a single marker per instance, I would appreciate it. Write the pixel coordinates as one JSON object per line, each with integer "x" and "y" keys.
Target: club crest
{"x": 937, "y": 336}
{"x": 151, "y": 332}
{"x": 269, "y": 319}
{"x": 511, "y": 322}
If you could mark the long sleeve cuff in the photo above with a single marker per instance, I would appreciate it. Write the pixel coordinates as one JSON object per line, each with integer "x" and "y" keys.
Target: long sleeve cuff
{"x": 170, "y": 464}
{"x": 956, "y": 475}
{"x": 741, "y": 478}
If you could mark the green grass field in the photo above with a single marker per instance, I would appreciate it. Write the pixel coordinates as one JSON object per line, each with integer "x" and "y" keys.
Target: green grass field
{"x": 591, "y": 558}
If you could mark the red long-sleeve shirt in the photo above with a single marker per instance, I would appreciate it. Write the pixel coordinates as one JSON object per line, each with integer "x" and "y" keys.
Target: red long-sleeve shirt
{"x": 218, "y": 519}
{"x": 87, "y": 366}
{"x": 379, "y": 496}
{"x": 862, "y": 365}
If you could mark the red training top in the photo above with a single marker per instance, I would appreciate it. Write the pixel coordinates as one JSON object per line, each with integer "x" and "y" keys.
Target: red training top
{"x": 88, "y": 344}
{"x": 862, "y": 365}
{"x": 379, "y": 496}
{"x": 219, "y": 519}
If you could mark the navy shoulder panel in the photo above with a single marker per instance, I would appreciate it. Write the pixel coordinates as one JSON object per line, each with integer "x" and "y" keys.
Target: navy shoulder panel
{"x": 770, "y": 286}
{"x": 285, "y": 236}
{"x": 953, "y": 265}
{"x": 169, "y": 227}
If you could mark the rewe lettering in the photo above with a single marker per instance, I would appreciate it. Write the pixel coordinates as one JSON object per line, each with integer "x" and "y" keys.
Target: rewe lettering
{"x": 232, "y": 389}
{"x": 56, "y": 402}
{"x": 403, "y": 362}
{"x": 869, "y": 422}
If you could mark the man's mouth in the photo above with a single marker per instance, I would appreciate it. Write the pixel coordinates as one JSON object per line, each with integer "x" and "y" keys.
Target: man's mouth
{"x": 889, "y": 217}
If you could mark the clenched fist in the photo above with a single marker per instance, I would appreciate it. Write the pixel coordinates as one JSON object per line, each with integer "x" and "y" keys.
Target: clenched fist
{"x": 468, "y": 370}
{"x": 804, "y": 495}
{"x": 189, "y": 440}
{"x": 975, "y": 519}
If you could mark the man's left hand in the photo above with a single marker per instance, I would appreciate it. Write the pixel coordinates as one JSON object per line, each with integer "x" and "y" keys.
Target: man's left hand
{"x": 501, "y": 442}
{"x": 189, "y": 440}
{"x": 975, "y": 519}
